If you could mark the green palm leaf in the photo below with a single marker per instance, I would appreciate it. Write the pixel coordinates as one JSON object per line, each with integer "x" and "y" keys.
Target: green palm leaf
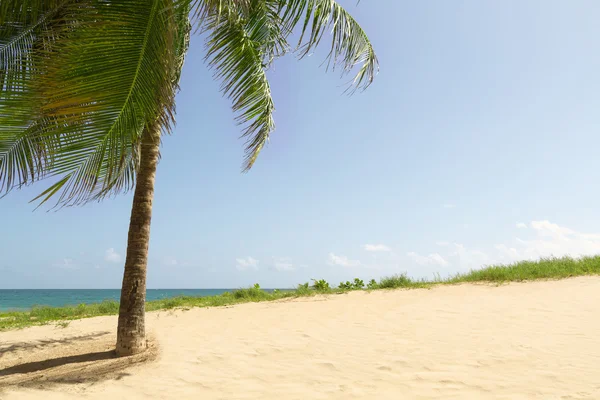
{"x": 236, "y": 51}
{"x": 24, "y": 29}
{"x": 133, "y": 54}
{"x": 350, "y": 45}
{"x": 81, "y": 79}
{"x": 246, "y": 36}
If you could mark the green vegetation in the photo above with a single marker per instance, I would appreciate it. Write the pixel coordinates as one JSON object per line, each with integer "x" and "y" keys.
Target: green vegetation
{"x": 372, "y": 284}
{"x": 88, "y": 91}
{"x": 546, "y": 268}
{"x": 321, "y": 285}
{"x": 356, "y": 285}
{"x": 399, "y": 282}
{"x": 549, "y": 268}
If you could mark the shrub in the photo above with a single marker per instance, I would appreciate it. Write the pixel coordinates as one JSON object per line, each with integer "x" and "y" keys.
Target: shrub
{"x": 345, "y": 286}
{"x": 108, "y": 307}
{"x": 303, "y": 288}
{"x": 372, "y": 284}
{"x": 358, "y": 284}
{"x": 321, "y": 285}
{"x": 254, "y": 293}
{"x": 396, "y": 281}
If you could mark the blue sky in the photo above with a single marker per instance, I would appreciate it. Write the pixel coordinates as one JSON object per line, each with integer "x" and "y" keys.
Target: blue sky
{"x": 478, "y": 143}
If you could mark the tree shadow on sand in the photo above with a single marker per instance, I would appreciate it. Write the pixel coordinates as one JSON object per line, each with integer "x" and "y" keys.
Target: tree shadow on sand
{"x": 69, "y": 361}
{"x": 38, "y": 366}
{"x": 40, "y": 344}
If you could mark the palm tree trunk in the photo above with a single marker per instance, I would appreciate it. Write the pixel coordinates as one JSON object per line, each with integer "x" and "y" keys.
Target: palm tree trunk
{"x": 131, "y": 332}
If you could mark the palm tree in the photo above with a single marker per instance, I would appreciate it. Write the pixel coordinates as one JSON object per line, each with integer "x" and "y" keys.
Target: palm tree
{"x": 88, "y": 88}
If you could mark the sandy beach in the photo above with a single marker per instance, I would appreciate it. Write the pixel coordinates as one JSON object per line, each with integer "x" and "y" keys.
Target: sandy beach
{"x": 537, "y": 340}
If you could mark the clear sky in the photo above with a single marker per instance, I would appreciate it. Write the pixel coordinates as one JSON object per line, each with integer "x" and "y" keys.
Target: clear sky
{"x": 478, "y": 143}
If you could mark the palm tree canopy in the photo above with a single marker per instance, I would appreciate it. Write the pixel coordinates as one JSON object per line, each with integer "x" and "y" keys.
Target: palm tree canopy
{"x": 80, "y": 79}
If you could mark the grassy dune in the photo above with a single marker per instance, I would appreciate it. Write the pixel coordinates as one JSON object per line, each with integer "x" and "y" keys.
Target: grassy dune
{"x": 551, "y": 268}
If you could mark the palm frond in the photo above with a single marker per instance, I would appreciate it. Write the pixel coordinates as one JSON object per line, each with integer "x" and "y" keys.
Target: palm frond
{"x": 236, "y": 51}
{"x": 267, "y": 28}
{"x": 81, "y": 79}
{"x": 132, "y": 53}
{"x": 18, "y": 38}
{"x": 201, "y": 10}
{"x": 25, "y": 28}
{"x": 246, "y": 36}
{"x": 350, "y": 45}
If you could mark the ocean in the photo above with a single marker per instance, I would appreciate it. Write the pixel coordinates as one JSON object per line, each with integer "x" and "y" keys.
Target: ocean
{"x": 25, "y": 299}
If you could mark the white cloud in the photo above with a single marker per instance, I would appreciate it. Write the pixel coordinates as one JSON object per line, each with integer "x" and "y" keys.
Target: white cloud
{"x": 448, "y": 205}
{"x": 521, "y": 225}
{"x": 376, "y": 248}
{"x": 431, "y": 259}
{"x": 546, "y": 239}
{"x": 554, "y": 240}
{"x": 112, "y": 256}
{"x": 342, "y": 261}
{"x": 243, "y": 264}
{"x": 547, "y": 228}
{"x": 283, "y": 264}
{"x": 66, "y": 263}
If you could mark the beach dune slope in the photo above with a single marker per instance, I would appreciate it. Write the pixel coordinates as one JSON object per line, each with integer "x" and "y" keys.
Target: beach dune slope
{"x": 537, "y": 340}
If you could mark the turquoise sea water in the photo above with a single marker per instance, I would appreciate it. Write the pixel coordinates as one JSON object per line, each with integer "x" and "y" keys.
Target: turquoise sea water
{"x": 25, "y": 299}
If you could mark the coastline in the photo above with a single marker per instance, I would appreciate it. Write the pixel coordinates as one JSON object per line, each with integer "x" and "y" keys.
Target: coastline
{"x": 544, "y": 269}
{"x": 470, "y": 341}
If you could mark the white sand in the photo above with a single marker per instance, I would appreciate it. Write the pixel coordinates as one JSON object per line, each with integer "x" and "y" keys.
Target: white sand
{"x": 536, "y": 340}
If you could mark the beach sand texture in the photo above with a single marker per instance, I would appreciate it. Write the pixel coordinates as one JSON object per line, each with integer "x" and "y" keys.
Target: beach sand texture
{"x": 537, "y": 340}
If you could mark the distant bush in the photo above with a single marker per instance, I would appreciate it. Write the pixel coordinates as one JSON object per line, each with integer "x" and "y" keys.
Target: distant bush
{"x": 255, "y": 293}
{"x": 396, "y": 281}
{"x": 358, "y": 284}
{"x": 303, "y": 289}
{"x": 171, "y": 303}
{"x": 372, "y": 284}
{"x": 345, "y": 285}
{"x": 108, "y": 307}
{"x": 321, "y": 285}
